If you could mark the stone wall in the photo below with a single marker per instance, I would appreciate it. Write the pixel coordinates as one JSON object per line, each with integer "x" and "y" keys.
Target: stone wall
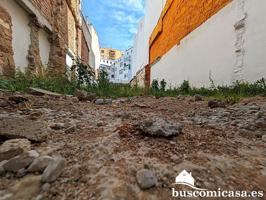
{"x": 7, "y": 65}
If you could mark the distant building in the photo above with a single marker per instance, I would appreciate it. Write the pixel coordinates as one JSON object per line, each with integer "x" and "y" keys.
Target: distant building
{"x": 119, "y": 70}
{"x": 141, "y": 43}
{"x": 124, "y": 67}
{"x": 110, "y": 54}
{"x": 107, "y": 66}
{"x": 95, "y": 47}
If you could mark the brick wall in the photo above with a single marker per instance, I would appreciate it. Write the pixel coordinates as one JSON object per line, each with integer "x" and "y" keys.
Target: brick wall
{"x": 177, "y": 20}
{"x": 45, "y": 7}
{"x": 85, "y": 51}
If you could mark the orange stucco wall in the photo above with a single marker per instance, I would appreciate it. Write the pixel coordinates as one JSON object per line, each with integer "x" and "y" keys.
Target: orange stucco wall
{"x": 178, "y": 19}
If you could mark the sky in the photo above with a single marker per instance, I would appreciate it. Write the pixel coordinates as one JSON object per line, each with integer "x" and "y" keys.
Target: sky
{"x": 115, "y": 20}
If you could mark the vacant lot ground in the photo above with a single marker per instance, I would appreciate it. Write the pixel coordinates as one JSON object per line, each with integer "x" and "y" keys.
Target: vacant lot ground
{"x": 104, "y": 147}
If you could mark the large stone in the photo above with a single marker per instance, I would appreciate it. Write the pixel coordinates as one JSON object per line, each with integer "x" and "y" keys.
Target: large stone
{"x": 21, "y": 161}
{"x": 198, "y": 97}
{"x": 54, "y": 170}
{"x": 14, "y": 147}
{"x": 160, "y": 127}
{"x": 214, "y": 103}
{"x": 26, "y": 188}
{"x": 146, "y": 179}
{"x": 40, "y": 163}
{"x": 16, "y": 126}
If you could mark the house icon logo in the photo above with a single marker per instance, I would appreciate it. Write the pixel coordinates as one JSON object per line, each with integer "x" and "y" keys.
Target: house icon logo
{"x": 185, "y": 178}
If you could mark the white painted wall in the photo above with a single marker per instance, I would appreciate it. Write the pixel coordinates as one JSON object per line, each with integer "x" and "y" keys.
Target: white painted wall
{"x": 211, "y": 49}
{"x": 153, "y": 9}
{"x": 255, "y": 59}
{"x": 21, "y": 33}
{"x": 95, "y": 45}
{"x": 45, "y": 47}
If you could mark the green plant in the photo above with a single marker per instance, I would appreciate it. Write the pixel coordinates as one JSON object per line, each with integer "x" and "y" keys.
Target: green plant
{"x": 85, "y": 74}
{"x": 163, "y": 85}
{"x": 155, "y": 85}
{"x": 185, "y": 87}
{"x": 103, "y": 81}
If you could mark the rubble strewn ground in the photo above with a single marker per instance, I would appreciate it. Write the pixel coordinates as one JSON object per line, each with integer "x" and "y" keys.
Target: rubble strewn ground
{"x": 106, "y": 151}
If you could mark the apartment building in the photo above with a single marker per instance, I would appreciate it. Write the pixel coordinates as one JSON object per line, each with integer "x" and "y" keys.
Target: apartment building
{"x": 110, "y": 54}
{"x": 141, "y": 42}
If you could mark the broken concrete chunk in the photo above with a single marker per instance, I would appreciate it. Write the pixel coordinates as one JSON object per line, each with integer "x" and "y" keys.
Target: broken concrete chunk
{"x": 21, "y": 161}
{"x": 103, "y": 101}
{"x": 53, "y": 170}
{"x": 160, "y": 127}
{"x": 14, "y": 147}
{"x": 41, "y": 92}
{"x": 40, "y": 163}
{"x": 16, "y": 126}
{"x": 146, "y": 179}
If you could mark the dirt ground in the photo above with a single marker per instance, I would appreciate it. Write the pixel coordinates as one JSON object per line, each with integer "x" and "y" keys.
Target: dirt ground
{"x": 223, "y": 147}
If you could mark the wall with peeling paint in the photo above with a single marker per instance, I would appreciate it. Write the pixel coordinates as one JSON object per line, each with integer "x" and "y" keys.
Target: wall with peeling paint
{"x": 229, "y": 46}
{"x": 20, "y": 33}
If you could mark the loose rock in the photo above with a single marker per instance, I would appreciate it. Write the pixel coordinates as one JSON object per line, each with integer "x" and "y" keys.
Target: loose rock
{"x": 216, "y": 104}
{"x": 160, "y": 127}
{"x": 57, "y": 126}
{"x": 40, "y": 163}
{"x": 146, "y": 179}
{"x": 84, "y": 96}
{"x": 103, "y": 101}
{"x": 46, "y": 187}
{"x": 198, "y": 97}
{"x": 21, "y": 161}
{"x": 263, "y": 138}
{"x": 14, "y": 147}
{"x": 53, "y": 170}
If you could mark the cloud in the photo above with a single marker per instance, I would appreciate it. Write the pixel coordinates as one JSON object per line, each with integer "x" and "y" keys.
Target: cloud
{"x": 116, "y": 22}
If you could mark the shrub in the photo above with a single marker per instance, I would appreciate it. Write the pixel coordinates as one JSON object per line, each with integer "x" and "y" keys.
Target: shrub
{"x": 155, "y": 85}
{"x": 163, "y": 85}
